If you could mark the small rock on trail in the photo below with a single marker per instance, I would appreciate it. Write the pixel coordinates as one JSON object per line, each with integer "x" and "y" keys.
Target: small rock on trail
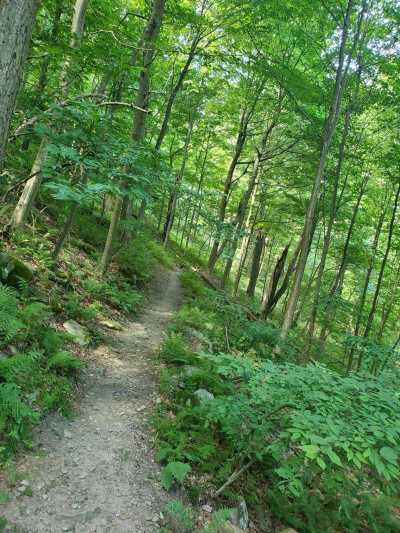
{"x": 97, "y": 472}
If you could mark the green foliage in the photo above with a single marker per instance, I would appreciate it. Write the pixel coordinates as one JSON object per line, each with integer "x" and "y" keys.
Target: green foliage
{"x": 175, "y": 472}
{"x": 10, "y": 324}
{"x": 180, "y": 519}
{"x": 174, "y": 351}
{"x": 65, "y": 364}
{"x": 77, "y": 308}
{"x": 120, "y": 295}
{"x": 192, "y": 285}
{"x": 137, "y": 261}
{"x": 320, "y": 440}
{"x": 36, "y": 379}
{"x": 16, "y": 417}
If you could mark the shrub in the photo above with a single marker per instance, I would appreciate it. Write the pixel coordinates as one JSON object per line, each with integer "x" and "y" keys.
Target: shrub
{"x": 65, "y": 364}
{"x": 16, "y": 417}
{"x": 174, "y": 351}
{"x": 192, "y": 285}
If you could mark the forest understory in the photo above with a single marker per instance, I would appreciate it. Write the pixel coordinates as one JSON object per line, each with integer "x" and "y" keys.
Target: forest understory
{"x": 199, "y": 266}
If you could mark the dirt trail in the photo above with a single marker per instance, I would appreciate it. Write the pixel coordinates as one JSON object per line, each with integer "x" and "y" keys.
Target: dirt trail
{"x": 98, "y": 474}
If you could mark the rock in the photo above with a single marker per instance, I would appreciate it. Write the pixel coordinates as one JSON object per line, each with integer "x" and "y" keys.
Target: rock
{"x": 79, "y": 334}
{"x": 240, "y": 516}
{"x": 228, "y": 527}
{"x": 67, "y": 434}
{"x": 203, "y": 395}
{"x": 207, "y": 508}
{"x": 110, "y": 324}
{"x": 12, "y": 270}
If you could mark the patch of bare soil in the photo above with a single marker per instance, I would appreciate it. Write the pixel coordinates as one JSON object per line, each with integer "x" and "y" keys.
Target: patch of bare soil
{"x": 98, "y": 473}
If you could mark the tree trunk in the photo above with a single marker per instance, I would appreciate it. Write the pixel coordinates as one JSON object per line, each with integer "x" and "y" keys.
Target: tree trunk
{"x": 366, "y": 284}
{"x": 32, "y": 186}
{"x": 371, "y": 315}
{"x": 111, "y": 235}
{"x": 25, "y": 202}
{"x": 17, "y": 18}
{"x": 65, "y": 231}
{"x": 256, "y": 263}
{"x": 197, "y": 206}
{"x": 240, "y": 141}
{"x": 337, "y": 284}
{"x": 175, "y": 91}
{"x": 330, "y": 126}
{"x": 147, "y": 45}
{"x": 174, "y": 195}
{"x": 331, "y": 221}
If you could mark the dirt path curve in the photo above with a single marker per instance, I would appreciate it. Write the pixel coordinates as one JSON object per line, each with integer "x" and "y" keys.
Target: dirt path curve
{"x": 99, "y": 474}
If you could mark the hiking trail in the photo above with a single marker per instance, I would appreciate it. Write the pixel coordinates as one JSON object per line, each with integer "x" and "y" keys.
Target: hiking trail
{"x": 97, "y": 472}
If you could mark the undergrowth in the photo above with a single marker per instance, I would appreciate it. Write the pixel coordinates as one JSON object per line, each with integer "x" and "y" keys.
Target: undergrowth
{"x": 318, "y": 448}
{"x": 39, "y": 365}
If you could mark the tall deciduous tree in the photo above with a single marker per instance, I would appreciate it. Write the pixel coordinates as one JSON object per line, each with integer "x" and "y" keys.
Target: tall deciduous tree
{"x": 17, "y": 18}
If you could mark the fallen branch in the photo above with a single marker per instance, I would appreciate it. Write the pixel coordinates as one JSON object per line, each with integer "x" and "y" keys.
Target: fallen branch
{"x": 233, "y": 478}
{"x": 235, "y": 475}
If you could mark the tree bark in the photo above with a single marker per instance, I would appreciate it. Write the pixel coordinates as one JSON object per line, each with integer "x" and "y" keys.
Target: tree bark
{"x": 17, "y": 18}
{"x": 337, "y": 284}
{"x": 239, "y": 144}
{"x": 147, "y": 44}
{"x": 330, "y": 126}
{"x": 32, "y": 186}
{"x": 174, "y": 195}
{"x": 371, "y": 315}
{"x": 256, "y": 263}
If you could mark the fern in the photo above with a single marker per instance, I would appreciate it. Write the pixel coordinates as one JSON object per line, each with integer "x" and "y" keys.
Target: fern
{"x": 174, "y": 472}
{"x": 16, "y": 417}
{"x": 65, "y": 363}
{"x": 10, "y": 324}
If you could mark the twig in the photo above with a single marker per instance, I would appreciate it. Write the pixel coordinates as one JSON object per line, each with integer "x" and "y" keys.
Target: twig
{"x": 64, "y": 103}
{"x": 227, "y": 339}
{"x": 233, "y": 477}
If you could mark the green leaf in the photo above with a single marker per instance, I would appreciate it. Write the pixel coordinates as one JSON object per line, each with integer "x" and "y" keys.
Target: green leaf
{"x": 321, "y": 463}
{"x": 311, "y": 450}
{"x": 389, "y": 454}
{"x": 175, "y": 471}
{"x": 333, "y": 456}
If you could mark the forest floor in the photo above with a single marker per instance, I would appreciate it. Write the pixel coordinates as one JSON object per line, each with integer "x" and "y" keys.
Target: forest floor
{"x": 96, "y": 472}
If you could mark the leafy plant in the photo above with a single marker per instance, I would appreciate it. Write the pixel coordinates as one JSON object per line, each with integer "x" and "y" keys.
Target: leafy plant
{"x": 65, "y": 364}
{"x": 179, "y": 518}
{"x": 174, "y": 472}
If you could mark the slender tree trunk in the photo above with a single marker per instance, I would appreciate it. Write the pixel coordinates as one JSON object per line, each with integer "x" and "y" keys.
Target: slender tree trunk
{"x": 174, "y": 195}
{"x": 371, "y": 315}
{"x": 331, "y": 221}
{"x": 175, "y": 90}
{"x": 111, "y": 235}
{"x": 256, "y": 263}
{"x": 330, "y": 126}
{"x": 25, "y": 202}
{"x": 240, "y": 216}
{"x": 240, "y": 142}
{"x": 147, "y": 46}
{"x": 369, "y": 272}
{"x": 197, "y": 205}
{"x": 32, "y": 186}
{"x": 65, "y": 231}
{"x": 17, "y": 18}
{"x": 337, "y": 284}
